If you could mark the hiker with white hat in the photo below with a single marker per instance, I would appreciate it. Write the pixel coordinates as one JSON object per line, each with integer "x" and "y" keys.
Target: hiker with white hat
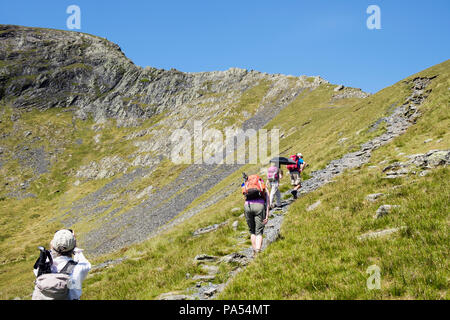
{"x": 68, "y": 269}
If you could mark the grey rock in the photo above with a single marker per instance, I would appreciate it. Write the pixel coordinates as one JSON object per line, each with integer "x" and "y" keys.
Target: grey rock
{"x": 109, "y": 263}
{"x": 235, "y": 258}
{"x": 384, "y": 210}
{"x": 172, "y": 296}
{"x": 338, "y": 88}
{"x": 203, "y": 277}
{"x": 204, "y": 258}
{"x": 208, "y": 229}
{"x": 314, "y": 206}
{"x": 424, "y": 173}
{"x": 374, "y": 197}
{"x": 210, "y": 292}
{"x": 211, "y": 270}
{"x": 382, "y": 233}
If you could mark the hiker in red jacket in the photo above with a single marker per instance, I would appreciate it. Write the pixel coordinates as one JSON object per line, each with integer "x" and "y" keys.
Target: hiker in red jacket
{"x": 295, "y": 170}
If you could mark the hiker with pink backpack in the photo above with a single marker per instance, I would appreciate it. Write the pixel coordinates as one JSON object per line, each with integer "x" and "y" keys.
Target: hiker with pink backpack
{"x": 274, "y": 174}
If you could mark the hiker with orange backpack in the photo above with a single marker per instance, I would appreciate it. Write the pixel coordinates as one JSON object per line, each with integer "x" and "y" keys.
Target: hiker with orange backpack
{"x": 295, "y": 170}
{"x": 256, "y": 209}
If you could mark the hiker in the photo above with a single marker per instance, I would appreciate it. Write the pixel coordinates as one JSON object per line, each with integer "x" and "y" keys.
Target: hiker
{"x": 274, "y": 174}
{"x": 295, "y": 170}
{"x": 256, "y": 209}
{"x": 67, "y": 269}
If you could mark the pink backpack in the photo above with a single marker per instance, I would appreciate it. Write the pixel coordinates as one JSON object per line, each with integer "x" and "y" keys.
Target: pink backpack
{"x": 272, "y": 173}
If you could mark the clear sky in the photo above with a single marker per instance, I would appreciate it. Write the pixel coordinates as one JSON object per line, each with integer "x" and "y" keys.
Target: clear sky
{"x": 294, "y": 37}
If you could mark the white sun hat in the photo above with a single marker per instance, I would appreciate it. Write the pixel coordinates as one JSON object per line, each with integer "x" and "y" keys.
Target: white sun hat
{"x": 63, "y": 241}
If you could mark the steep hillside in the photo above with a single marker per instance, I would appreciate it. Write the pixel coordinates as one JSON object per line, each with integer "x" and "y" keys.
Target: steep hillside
{"x": 90, "y": 132}
{"x": 85, "y": 138}
{"x": 86, "y": 143}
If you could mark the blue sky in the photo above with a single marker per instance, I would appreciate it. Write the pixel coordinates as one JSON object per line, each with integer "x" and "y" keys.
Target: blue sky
{"x": 326, "y": 38}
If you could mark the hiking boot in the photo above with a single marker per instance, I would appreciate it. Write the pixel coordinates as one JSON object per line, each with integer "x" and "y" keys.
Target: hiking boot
{"x": 256, "y": 252}
{"x": 294, "y": 193}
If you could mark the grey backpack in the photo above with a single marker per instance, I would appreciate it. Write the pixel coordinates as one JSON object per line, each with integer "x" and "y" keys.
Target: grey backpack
{"x": 54, "y": 286}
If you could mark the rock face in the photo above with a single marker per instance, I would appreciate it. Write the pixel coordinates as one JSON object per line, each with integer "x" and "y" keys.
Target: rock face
{"x": 50, "y": 68}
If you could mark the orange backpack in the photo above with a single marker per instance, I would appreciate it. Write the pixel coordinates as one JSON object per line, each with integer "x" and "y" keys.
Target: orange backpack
{"x": 254, "y": 188}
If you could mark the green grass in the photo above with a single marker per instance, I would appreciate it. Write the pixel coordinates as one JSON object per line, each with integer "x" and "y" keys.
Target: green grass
{"x": 318, "y": 255}
{"x": 326, "y": 279}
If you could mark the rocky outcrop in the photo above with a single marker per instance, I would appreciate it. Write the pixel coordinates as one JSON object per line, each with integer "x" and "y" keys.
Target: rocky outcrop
{"x": 417, "y": 162}
{"x": 398, "y": 122}
{"x": 345, "y": 93}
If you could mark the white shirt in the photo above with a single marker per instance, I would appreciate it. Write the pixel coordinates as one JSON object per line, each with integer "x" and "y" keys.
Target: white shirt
{"x": 78, "y": 274}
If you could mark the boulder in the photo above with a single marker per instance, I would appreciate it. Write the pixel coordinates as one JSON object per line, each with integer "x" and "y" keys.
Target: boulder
{"x": 374, "y": 197}
{"x": 382, "y": 233}
{"x": 384, "y": 210}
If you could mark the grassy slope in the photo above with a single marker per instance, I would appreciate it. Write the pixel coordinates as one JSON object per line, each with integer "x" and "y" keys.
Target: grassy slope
{"x": 319, "y": 256}
{"x": 160, "y": 265}
{"x": 149, "y": 273}
{"x": 29, "y": 222}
